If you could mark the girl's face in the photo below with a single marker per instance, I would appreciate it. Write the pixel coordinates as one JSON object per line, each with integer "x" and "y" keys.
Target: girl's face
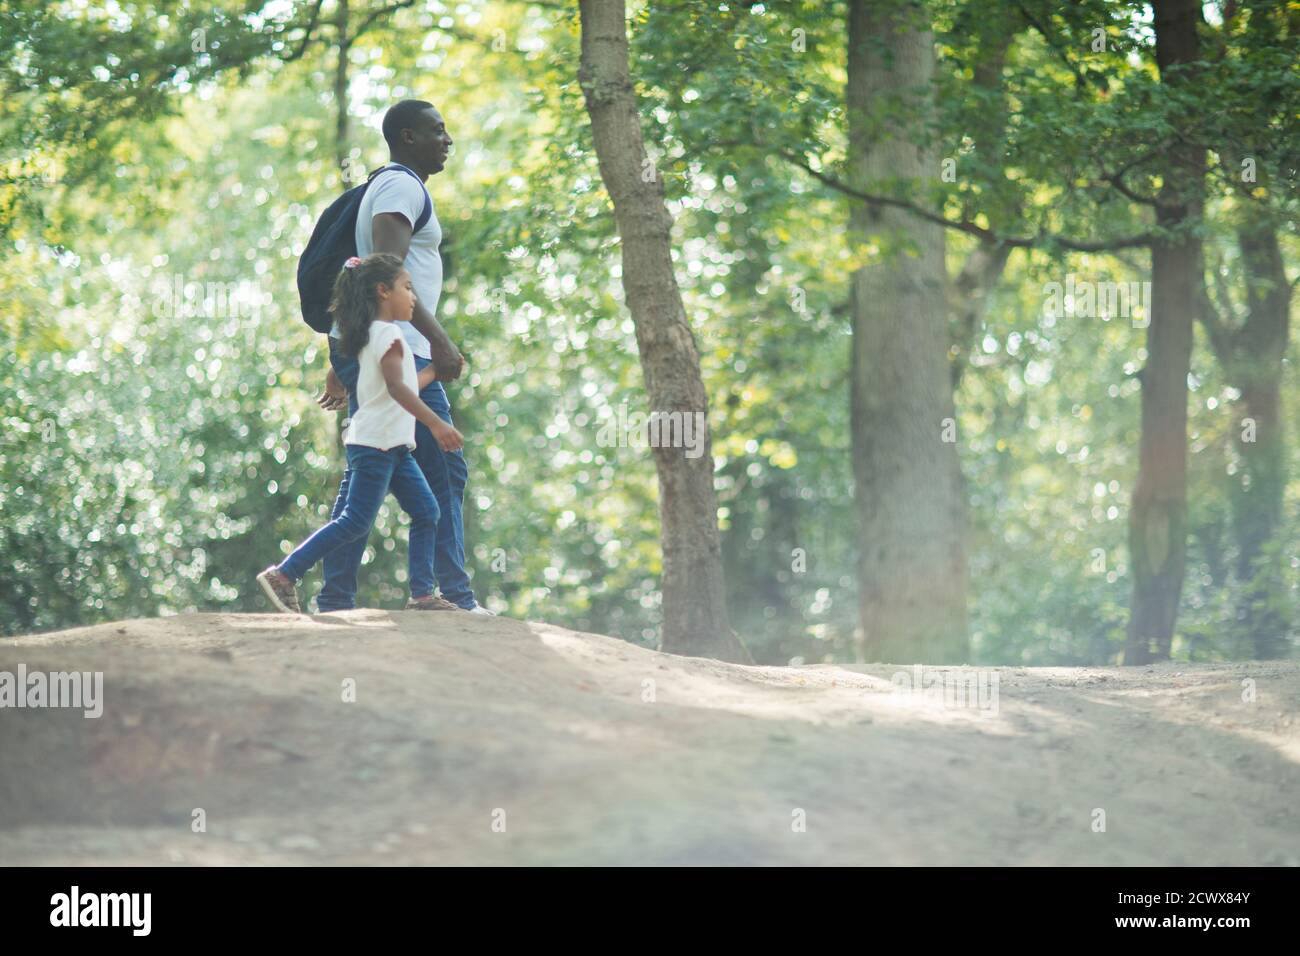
{"x": 398, "y": 303}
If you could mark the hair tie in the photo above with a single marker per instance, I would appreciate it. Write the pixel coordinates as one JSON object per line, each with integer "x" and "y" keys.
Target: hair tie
{"x": 352, "y": 263}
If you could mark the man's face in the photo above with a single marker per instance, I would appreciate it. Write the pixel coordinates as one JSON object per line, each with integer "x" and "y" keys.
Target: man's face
{"x": 429, "y": 140}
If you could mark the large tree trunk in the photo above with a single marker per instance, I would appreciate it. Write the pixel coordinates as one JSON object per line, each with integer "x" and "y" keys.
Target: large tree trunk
{"x": 911, "y": 512}
{"x": 1158, "y": 513}
{"x": 694, "y": 598}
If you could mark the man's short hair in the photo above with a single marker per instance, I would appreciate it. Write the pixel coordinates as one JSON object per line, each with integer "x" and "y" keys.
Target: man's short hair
{"x": 402, "y": 116}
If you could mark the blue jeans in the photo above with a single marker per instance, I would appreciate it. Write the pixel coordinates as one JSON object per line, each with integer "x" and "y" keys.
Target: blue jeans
{"x": 446, "y": 473}
{"x": 373, "y": 474}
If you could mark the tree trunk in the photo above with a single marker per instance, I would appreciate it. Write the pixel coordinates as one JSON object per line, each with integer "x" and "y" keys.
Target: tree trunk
{"x": 341, "y": 93}
{"x": 1255, "y": 367}
{"x": 1158, "y": 513}
{"x": 1252, "y": 356}
{"x": 911, "y": 512}
{"x": 970, "y": 293}
{"x": 694, "y": 598}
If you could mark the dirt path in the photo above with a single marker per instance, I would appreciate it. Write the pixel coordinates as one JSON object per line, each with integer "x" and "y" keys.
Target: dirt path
{"x": 590, "y": 750}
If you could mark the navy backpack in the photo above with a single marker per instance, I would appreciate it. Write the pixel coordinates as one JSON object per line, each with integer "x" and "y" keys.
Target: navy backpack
{"x": 332, "y": 243}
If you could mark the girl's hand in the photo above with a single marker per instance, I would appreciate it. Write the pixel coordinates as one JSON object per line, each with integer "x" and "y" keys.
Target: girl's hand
{"x": 448, "y": 438}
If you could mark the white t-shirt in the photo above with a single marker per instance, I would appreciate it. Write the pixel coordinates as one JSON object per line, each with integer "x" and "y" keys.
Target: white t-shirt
{"x": 396, "y": 191}
{"x": 380, "y": 422}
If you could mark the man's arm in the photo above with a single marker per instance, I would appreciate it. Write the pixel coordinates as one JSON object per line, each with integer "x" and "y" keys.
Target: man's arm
{"x": 391, "y": 232}
{"x": 447, "y": 437}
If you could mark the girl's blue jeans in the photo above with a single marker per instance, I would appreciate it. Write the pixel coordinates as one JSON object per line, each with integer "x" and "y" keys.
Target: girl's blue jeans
{"x": 446, "y": 473}
{"x": 372, "y": 474}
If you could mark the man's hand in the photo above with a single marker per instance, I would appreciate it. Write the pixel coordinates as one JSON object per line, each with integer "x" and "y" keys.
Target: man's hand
{"x": 335, "y": 396}
{"x": 449, "y": 365}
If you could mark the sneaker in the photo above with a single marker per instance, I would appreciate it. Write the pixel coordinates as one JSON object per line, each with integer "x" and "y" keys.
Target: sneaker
{"x": 280, "y": 590}
{"x": 430, "y": 603}
{"x": 480, "y": 609}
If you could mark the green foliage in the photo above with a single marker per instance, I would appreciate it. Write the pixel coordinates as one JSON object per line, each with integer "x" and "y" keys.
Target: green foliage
{"x": 159, "y": 449}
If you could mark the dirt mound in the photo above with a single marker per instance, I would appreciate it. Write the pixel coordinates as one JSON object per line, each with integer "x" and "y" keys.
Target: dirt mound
{"x": 487, "y": 740}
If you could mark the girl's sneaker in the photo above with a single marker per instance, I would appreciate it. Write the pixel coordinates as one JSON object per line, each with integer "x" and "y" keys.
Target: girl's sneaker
{"x": 280, "y": 590}
{"x": 430, "y": 602}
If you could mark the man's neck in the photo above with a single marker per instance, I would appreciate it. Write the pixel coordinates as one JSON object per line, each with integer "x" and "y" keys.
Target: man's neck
{"x": 424, "y": 177}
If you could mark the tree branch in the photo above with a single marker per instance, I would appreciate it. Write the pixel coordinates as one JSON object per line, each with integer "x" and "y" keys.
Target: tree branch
{"x": 1222, "y": 336}
{"x": 965, "y": 225}
{"x": 374, "y": 15}
{"x": 1080, "y": 78}
{"x": 309, "y": 29}
{"x": 1116, "y": 180}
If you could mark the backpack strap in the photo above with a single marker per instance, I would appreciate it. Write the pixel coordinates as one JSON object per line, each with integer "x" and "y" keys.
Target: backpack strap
{"x": 427, "y": 212}
{"x": 425, "y": 215}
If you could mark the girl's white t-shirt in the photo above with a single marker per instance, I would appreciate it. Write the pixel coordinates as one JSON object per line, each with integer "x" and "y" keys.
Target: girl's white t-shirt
{"x": 380, "y": 422}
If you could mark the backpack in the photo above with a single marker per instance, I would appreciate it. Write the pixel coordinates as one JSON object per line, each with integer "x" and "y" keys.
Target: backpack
{"x": 332, "y": 243}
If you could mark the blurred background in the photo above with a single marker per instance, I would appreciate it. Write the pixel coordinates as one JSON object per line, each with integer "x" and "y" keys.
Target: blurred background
{"x": 163, "y": 164}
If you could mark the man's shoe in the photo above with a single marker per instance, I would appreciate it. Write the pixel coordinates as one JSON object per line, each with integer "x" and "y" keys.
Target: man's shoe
{"x": 430, "y": 603}
{"x": 280, "y": 590}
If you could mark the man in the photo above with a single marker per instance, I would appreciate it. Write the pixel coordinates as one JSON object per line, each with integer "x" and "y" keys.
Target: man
{"x": 393, "y": 203}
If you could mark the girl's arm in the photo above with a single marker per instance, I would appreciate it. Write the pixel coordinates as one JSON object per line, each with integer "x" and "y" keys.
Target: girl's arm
{"x": 391, "y": 366}
{"x": 428, "y": 375}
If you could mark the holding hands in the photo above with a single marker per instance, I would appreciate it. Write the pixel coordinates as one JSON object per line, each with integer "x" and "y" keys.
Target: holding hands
{"x": 335, "y": 396}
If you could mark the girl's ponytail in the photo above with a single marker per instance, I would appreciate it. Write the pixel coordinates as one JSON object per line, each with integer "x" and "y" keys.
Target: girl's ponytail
{"x": 355, "y": 300}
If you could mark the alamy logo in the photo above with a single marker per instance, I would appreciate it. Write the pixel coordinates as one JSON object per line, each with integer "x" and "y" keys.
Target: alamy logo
{"x": 1104, "y": 300}
{"x": 102, "y": 909}
{"x": 658, "y": 430}
{"x": 55, "y": 689}
{"x": 206, "y": 300}
{"x": 957, "y": 688}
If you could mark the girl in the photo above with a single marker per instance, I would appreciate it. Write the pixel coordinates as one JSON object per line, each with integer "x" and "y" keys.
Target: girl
{"x": 370, "y": 295}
